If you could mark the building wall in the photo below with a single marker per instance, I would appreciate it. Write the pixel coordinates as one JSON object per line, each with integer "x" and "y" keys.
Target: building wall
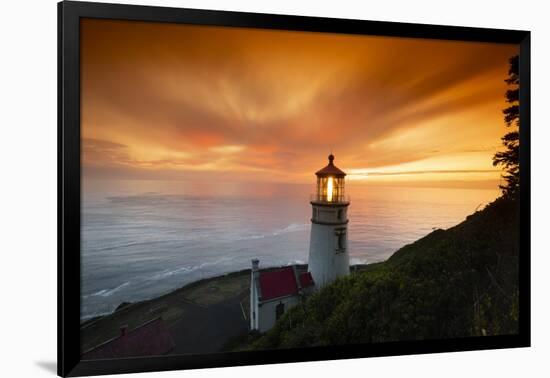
{"x": 253, "y": 305}
{"x": 329, "y": 214}
{"x": 328, "y": 246}
{"x": 267, "y": 311}
{"x": 254, "y": 276}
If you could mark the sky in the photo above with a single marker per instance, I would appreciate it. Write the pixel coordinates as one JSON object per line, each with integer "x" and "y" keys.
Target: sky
{"x": 182, "y": 102}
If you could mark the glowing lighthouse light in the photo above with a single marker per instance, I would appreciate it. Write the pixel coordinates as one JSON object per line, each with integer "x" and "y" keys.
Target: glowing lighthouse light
{"x": 329, "y": 189}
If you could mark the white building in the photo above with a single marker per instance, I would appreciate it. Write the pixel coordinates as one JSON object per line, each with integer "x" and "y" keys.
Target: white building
{"x": 328, "y": 245}
{"x": 273, "y": 292}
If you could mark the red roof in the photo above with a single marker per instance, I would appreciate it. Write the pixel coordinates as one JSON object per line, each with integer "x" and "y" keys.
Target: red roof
{"x": 331, "y": 169}
{"x": 278, "y": 283}
{"x": 306, "y": 279}
{"x": 149, "y": 339}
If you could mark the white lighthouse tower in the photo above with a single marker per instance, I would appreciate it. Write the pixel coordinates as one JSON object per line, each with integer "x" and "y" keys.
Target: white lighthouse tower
{"x": 328, "y": 246}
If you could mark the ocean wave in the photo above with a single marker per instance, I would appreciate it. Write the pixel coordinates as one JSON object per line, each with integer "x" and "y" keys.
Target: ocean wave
{"x": 128, "y": 244}
{"x": 295, "y": 262}
{"x": 251, "y": 237}
{"x": 357, "y": 261}
{"x": 185, "y": 269}
{"x": 83, "y": 318}
{"x": 107, "y": 292}
{"x": 293, "y": 227}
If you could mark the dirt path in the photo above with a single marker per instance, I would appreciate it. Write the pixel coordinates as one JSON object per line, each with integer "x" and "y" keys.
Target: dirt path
{"x": 206, "y": 329}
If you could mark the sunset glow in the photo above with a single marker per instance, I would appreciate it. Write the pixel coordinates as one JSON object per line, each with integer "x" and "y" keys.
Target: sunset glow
{"x": 167, "y": 101}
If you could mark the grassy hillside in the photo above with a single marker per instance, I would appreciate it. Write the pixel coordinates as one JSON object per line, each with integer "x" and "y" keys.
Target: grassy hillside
{"x": 452, "y": 283}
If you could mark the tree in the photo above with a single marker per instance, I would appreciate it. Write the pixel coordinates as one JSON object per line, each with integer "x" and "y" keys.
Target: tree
{"x": 509, "y": 158}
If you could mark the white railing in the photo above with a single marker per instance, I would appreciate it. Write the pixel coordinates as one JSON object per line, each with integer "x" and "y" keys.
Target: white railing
{"x": 340, "y": 198}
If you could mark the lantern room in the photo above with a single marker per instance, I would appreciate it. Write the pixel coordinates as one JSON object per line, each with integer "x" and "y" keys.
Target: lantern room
{"x": 330, "y": 184}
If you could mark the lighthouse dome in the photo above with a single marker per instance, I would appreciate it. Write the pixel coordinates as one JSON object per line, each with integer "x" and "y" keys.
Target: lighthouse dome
{"x": 330, "y": 169}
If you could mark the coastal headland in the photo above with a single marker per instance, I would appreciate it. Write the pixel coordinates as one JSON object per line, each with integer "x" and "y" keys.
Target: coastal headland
{"x": 458, "y": 282}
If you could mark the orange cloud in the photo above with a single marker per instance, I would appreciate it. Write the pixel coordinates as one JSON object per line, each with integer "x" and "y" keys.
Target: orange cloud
{"x": 167, "y": 100}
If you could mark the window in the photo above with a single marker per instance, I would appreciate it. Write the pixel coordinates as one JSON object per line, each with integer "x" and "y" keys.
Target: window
{"x": 340, "y": 240}
{"x": 340, "y": 214}
{"x": 279, "y": 310}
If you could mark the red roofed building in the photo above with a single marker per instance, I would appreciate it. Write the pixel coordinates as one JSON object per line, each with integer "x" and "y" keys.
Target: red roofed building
{"x": 273, "y": 292}
{"x": 278, "y": 283}
{"x": 306, "y": 280}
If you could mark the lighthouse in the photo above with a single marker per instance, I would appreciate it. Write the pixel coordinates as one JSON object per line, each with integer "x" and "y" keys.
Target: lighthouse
{"x": 328, "y": 246}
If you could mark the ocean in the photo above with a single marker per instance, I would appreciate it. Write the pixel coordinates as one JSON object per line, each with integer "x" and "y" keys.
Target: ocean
{"x": 140, "y": 239}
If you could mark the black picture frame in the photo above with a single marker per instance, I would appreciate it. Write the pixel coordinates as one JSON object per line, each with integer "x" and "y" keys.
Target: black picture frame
{"x": 69, "y": 153}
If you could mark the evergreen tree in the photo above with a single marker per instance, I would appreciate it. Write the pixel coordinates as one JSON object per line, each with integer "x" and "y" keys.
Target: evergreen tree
{"x": 509, "y": 158}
